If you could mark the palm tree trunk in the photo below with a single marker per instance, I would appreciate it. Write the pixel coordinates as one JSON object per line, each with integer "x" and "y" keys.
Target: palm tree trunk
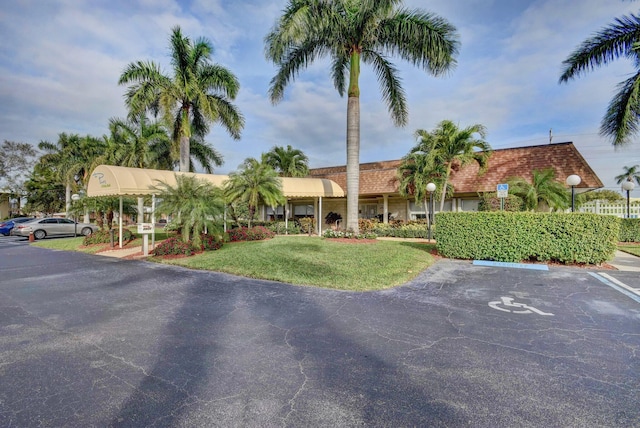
{"x": 67, "y": 200}
{"x": 353, "y": 162}
{"x": 184, "y": 153}
{"x": 353, "y": 143}
{"x": 444, "y": 187}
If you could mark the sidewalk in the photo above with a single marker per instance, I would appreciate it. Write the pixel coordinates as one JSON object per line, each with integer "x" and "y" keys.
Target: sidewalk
{"x": 121, "y": 253}
{"x": 625, "y": 262}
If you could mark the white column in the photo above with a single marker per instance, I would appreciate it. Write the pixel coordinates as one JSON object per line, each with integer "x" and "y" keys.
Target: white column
{"x": 286, "y": 217}
{"x": 385, "y": 204}
{"x": 153, "y": 221}
{"x": 120, "y": 224}
{"x": 320, "y": 217}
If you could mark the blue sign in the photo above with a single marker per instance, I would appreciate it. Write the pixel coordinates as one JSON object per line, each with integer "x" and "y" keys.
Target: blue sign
{"x": 503, "y": 187}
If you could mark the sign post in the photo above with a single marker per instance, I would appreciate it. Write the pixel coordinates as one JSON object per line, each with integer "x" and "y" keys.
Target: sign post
{"x": 503, "y": 192}
{"x": 145, "y": 229}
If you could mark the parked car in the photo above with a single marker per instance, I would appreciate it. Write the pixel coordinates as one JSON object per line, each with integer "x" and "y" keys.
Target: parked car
{"x": 7, "y": 225}
{"x": 53, "y": 226}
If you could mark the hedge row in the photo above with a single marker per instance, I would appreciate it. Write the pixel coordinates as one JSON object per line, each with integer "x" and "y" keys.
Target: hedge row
{"x": 409, "y": 230}
{"x": 514, "y": 237}
{"x": 630, "y": 230}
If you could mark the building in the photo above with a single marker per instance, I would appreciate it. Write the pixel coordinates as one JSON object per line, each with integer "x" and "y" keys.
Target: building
{"x": 379, "y": 185}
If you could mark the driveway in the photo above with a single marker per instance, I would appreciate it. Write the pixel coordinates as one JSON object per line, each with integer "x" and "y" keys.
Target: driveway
{"x": 94, "y": 341}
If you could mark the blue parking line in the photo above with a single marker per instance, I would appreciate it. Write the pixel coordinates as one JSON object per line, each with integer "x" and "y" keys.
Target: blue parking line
{"x": 510, "y": 265}
{"x": 615, "y": 286}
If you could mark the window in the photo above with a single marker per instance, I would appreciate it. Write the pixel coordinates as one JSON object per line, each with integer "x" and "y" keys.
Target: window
{"x": 368, "y": 211}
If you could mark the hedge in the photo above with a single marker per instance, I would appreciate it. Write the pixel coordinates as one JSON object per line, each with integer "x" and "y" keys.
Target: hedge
{"x": 630, "y": 230}
{"x": 514, "y": 237}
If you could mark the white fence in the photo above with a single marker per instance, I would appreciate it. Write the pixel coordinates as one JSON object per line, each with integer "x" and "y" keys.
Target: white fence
{"x": 618, "y": 209}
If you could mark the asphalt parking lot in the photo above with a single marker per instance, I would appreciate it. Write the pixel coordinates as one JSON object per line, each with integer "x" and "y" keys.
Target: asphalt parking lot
{"x": 93, "y": 341}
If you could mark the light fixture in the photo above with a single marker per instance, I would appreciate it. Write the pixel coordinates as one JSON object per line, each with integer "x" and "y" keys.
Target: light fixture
{"x": 431, "y": 187}
{"x": 573, "y": 180}
{"x": 628, "y": 186}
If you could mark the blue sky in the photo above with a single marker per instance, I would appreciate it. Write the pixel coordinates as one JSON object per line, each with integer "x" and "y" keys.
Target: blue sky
{"x": 60, "y": 61}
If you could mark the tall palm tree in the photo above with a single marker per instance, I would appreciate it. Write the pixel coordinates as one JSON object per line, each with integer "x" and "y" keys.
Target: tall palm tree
{"x": 620, "y": 39}
{"x": 288, "y": 162}
{"x": 198, "y": 94}
{"x": 352, "y": 32}
{"x": 451, "y": 147}
{"x": 195, "y": 204}
{"x": 254, "y": 182}
{"x": 542, "y": 189}
{"x": 631, "y": 173}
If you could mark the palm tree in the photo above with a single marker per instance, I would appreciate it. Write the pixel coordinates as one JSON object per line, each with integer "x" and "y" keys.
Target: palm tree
{"x": 619, "y": 39}
{"x": 138, "y": 143}
{"x": 72, "y": 158}
{"x": 631, "y": 173}
{"x": 451, "y": 147}
{"x": 542, "y": 189}
{"x": 352, "y": 32}
{"x": 414, "y": 173}
{"x": 197, "y": 94}
{"x": 288, "y": 162}
{"x": 254, "y": 182}
{"x": 195, "y": 204}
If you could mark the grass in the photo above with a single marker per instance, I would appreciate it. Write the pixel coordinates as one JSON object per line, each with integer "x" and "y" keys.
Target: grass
{"x": 629, "y": 248}
{"x": 318, "y": 262}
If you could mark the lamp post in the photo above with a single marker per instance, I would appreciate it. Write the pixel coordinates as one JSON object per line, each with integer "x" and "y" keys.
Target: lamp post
{"x": 573, "y": 180}
{"x": 628, "y": 186}
{"x": 430, "y": 188}
{"x": 75, "y": 197}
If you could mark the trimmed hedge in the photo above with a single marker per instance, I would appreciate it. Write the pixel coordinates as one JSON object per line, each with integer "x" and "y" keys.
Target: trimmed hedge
{"x": 257, "y": 233}
{"x": 630, "y": 230}
{"x": 514, "y": 237}
{"x": 408, "y": 230}
{"x": 103, "y": 236}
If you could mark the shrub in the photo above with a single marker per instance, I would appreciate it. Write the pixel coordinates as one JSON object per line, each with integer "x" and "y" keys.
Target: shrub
{"x": 514, "y": 237}
{"x": 256, "y": 233}
{"x": 348, "y": 234}
{"x": 366, "y": 224}
{"x": 629, "y": 230}
{"x": 332, "y": 217}
{"x": 490, "y": 202}
{"x": 307, "y": 224}
{"x": 415, "y": 229}
{"x": 211, "y": 242}
{"x": 103, "y": 236}
{"x": 175, "y": 246}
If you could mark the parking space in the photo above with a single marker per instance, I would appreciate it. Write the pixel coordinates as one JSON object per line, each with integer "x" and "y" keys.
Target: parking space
{"x": 129, "y": 343}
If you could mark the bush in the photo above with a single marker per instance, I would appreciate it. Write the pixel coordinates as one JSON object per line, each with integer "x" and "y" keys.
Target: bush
{"x": 175, "y": 246}
{"x": 103, "y": 236}
{"x": 257, "y": 233}
{"x": 414, "y": 229}
{"x": 490, "y": 202}
{"x": 366, "y": 224}
{"x": 348, "y": 234}
{"x": 629, "y": 230}
{"x": 211, "y": 242}
{"x": 307, "y": 224}
{"x": 514, "y": 237}
{"x": 332, "y": 217}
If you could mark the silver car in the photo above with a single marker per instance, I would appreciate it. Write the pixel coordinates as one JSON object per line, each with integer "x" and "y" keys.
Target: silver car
{"x": 52, "y": 226}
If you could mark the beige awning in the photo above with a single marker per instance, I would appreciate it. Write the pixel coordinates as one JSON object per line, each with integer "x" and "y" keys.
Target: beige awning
{"x": 109, "y": 180}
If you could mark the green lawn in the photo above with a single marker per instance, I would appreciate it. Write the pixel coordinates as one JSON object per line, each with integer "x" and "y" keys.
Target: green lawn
{"x": 318, "y": 262}
{"x": 301, "y": 260}
{"x": 629, "y": 248}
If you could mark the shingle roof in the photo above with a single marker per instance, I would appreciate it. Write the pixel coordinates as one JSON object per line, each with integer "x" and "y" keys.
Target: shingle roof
{"x": 380, "y": 177}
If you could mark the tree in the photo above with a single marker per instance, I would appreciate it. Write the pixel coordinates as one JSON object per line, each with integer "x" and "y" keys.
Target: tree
{"x": 16, "y": 163}
{"x": 620, "y": 39}
{"x": 198, "y": 94}
{"x": 452, "y": 147}
{"x": 414, "y": 173}
{"x": 138, "y": 143}
{"x": 352, "y": 32}
{"x": 254, "y": 182}
{"x": 542, "y": 189}
{"x": 631, "y": 173}
{"x": 195, "y": 205}
{"x": 288, "y": 162}
{"x": 45, "y": 191}
{"x": 599, "y": 195}
{"x": 72, "y": 158}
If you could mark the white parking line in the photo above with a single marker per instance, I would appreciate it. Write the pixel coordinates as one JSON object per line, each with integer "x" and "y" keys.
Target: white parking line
{"x": 617, "y": 285}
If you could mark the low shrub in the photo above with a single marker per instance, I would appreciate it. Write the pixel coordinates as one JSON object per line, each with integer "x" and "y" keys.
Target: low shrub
{"x": 103, "y": 236}
{"x": 211, "y": 242}
{"x": 175, "y": 246}
{"x": 256, "y": 233}
{"x": 489, "y": 201}
{"x": 307, "y": 224}
{"x": 629, "y": 230}
{"x": 367, "y": 224}
{"x": 348, "y": 234}
{"x": 413, "y": 229}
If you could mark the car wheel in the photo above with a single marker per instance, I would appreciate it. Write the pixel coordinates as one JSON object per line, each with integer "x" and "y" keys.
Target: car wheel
{"x": 87, "y": 231}
{"x": 39, "y": 234}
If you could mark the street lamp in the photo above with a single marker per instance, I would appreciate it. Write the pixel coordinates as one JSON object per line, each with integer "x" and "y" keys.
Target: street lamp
{"x": 75, "y": 197}
{"x": 573, "y": 180}
{"x": 430, "y": 188}
{"x": 628, "y": 186}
